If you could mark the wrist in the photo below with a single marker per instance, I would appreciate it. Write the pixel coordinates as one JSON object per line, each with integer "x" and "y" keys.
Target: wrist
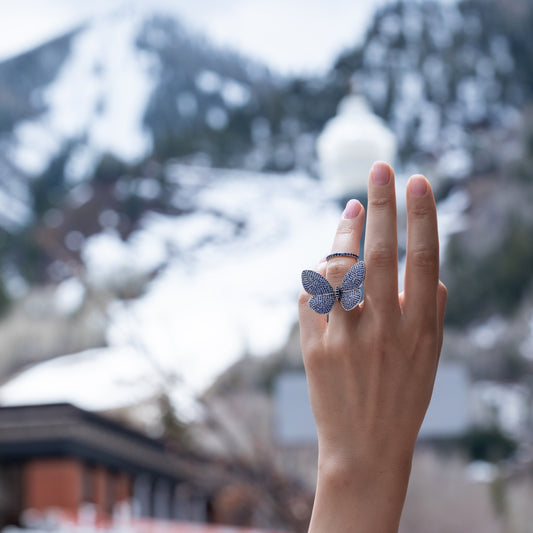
{"x": 367, "y": 495}
{"x": 353, "y": 472}
{"x": 365, "y": 461}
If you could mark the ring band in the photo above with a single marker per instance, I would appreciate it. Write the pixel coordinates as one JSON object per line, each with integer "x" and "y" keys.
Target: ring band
{"x": 341, "y": 254}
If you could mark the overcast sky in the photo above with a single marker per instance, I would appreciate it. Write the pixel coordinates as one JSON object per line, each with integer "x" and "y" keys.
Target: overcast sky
{"x": 289, "y": 35}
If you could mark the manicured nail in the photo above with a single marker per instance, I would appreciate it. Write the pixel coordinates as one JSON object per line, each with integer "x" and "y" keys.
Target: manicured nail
{"x": 380, "y": 173}
{"x": 418, "y": 186}
{"x": 352, "y": 209}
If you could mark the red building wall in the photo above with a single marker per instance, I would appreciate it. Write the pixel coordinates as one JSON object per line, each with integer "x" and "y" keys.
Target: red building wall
{"x": 52, "y": 483}
{"x": 100, "y": 490}
{"x": 123, "y": 488}
{"x": 66, "y": 483}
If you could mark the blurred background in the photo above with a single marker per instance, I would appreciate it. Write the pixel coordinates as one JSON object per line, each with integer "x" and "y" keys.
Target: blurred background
{"x": 167, "y": 169}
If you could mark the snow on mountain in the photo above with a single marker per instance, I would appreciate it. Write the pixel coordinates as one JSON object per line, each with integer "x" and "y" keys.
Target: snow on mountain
{"x": 451, "y": 216}
{"x": 226, "y": 271}
{"x": 228, "y": 285}
{"x": 128, "y": 85}
{"x": 15, "y": 202}
{"x": 440, "y": 74}
{"x": 229, "y": 275}
{"x": 100, "y": 95}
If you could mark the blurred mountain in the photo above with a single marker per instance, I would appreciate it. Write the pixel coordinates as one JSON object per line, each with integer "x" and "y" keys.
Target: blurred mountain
{"x": 444, "y": 75}
{"x": 116, "y": 120}
{"x": 454, "y": 82}
{"x": 88, "y": 120}
{"x": 130, "y": 84}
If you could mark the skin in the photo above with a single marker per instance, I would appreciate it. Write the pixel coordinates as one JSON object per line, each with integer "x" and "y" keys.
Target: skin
{"x": 370, "y": 371}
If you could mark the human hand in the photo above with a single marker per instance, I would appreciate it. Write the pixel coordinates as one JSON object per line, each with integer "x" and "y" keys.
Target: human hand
{"x": 371, "y": 370}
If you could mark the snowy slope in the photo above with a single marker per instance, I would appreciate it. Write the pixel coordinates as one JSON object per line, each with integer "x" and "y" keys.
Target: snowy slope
{"x": 125, "y": 77}
{"x": 100, "y": 95}
{"x": 441, "y": 74}
{"x": 228, "y": 285}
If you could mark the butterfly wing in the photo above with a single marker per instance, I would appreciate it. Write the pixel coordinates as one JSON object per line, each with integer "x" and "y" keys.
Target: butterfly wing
{"x": 321, "y": 290}
{"x": 351, "y": 298}
{"x": 322, "y": 303}
{"x": 315, "y": 283}
{"x": 354, "y": 277}
{"x": 351, "y": 294}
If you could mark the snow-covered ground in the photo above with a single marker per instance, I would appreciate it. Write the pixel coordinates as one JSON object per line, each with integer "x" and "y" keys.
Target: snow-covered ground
{"x": 229, "y": 275}
{"x": 228, "y": 283}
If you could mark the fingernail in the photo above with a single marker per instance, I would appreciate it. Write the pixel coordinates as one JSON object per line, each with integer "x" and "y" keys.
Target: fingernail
{"x": 380, "y": 173}
{"x": 418, "y": 186}
{"x": 352, "y": 209}
{"x": 323, "y": 260}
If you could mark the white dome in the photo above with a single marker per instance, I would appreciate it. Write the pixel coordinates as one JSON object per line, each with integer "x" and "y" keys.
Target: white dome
{"x": 349, "y": 144}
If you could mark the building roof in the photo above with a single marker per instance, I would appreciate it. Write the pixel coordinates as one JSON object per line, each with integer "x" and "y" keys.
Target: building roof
{"x": 62, "y": 429}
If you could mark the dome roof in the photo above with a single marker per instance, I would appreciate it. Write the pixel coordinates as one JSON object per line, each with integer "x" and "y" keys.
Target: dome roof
{"x": 350, "y": 143}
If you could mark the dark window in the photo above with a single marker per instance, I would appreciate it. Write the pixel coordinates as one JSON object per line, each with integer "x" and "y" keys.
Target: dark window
{"x": 10, "y": 493}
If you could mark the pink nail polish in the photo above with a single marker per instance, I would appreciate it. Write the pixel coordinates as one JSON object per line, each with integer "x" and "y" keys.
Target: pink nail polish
{"x": 352, "y": 209}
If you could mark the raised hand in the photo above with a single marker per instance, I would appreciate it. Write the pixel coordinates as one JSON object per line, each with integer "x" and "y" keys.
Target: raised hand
{"x": 371, "y": 370}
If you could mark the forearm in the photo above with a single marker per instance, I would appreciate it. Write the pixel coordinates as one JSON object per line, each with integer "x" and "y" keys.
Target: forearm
{"x": 366, "y": 498}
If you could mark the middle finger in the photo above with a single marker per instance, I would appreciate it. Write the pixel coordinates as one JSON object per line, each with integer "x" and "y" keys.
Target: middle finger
{"x": 381, "y": 242}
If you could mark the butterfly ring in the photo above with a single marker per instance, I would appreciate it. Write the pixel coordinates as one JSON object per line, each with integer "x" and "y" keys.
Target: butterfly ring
{"x": 324, "y": 296}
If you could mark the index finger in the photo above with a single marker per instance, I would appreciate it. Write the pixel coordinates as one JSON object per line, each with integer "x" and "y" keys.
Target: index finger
{"x": 422, "y": 260}
{"x": 347, "y": 240}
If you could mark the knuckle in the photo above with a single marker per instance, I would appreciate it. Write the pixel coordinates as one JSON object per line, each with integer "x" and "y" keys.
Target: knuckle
{"x": 337, "y": 347}
{"x": 386, "y": 332}
{"x": 422, "y": 210}
{"x": 314, "y": 357}
{"x": 426, "y": 258}
{"x": 381, "y": 202}
{"x": 336, "y": 269}
{"x": 338, "y": 354}
{"x": 383, "y": 345}
{"x": 428, "y": 338}
{"x": 345, "y": 227}
{"x": 380, "y": 255}
{"x": 303, "y": 298}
